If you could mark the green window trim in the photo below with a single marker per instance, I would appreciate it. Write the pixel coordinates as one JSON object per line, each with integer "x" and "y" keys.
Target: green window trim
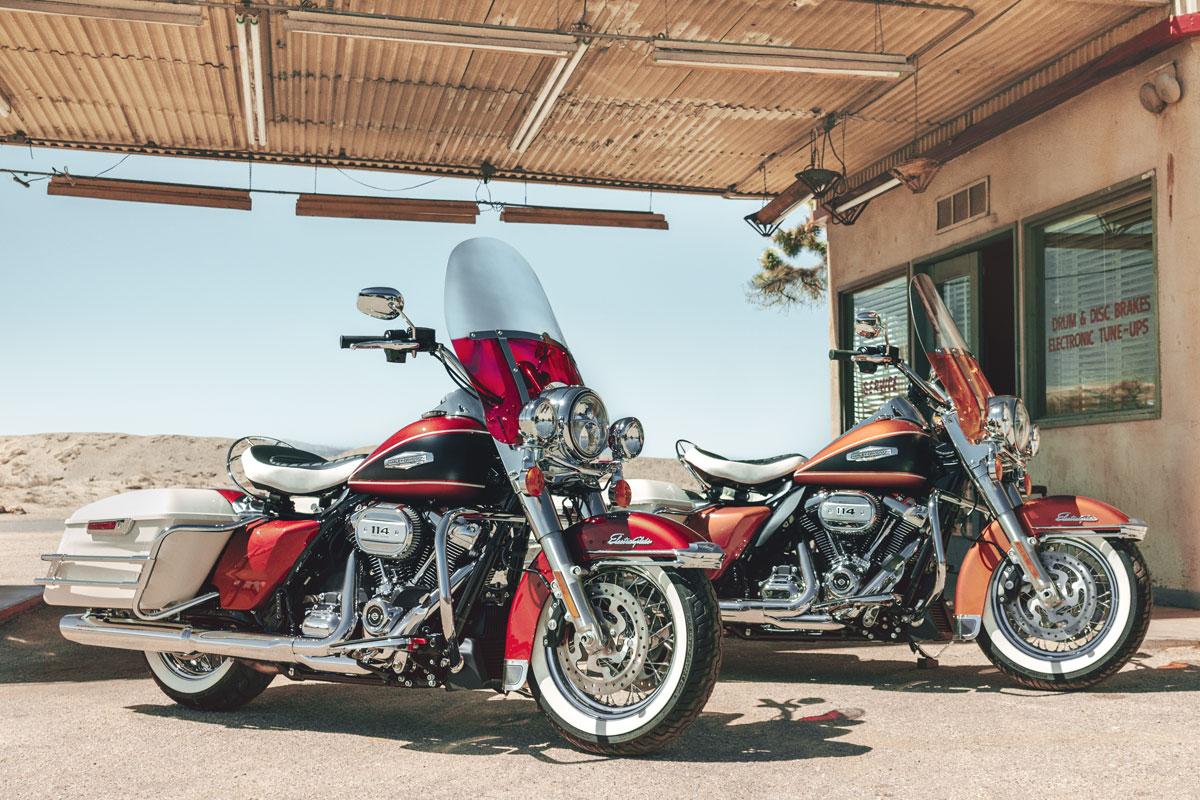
{"x": 1035, "y": 230}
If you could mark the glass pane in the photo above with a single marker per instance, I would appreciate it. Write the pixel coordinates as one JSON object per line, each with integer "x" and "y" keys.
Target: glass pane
{"x": 956, "y": 293}
{"x": 891, "y": 301}
{"x": 1099, "y": 312}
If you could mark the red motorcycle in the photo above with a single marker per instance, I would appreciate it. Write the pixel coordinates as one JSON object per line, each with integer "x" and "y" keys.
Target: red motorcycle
{"x": 408, "y": 567}
{"x": 852, "y": 542}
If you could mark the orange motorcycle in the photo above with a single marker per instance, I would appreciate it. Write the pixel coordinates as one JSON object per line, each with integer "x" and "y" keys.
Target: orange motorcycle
{"x": 853, "y": 541}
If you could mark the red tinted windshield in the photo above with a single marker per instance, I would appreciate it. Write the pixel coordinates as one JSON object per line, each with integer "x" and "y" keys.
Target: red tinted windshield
{"x": 494, "y": 302}
{"x": 947, "y": 352}
{"x": 539, "y": 364}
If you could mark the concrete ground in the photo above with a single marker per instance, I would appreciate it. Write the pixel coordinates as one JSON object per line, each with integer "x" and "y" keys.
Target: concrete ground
{"x": 785, "y": 720}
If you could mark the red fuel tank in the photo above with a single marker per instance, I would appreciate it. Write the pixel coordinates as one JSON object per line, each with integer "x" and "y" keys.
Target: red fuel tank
{"x": 443, "y": 459}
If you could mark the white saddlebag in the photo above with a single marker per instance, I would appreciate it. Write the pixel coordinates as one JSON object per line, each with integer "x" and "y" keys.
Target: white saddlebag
{"x": 661, "y": 497}
{"x": 113, "y": 551}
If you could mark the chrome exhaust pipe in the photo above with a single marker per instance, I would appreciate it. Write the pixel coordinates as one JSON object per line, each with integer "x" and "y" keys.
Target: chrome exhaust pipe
{"x": 267, "y": 647}
{"x": 772, "y": 612}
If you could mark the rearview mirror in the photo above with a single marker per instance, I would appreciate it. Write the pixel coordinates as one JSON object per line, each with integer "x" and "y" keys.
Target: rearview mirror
{"x": 868, "y": 325}
{"x": 381, "y": 302}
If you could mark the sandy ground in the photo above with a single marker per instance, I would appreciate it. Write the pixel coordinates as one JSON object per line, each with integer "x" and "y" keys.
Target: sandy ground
{"x": 49, "y": 475}
{"x": 785, "y": 721}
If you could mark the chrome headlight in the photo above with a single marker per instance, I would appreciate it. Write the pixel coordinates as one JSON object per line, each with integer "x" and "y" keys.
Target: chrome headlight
{"x": 1008, "y": 419}
{"x": 582, "y": 420}
{"x": 587, "y": 424}
{"x": 1035, "y": 441}
{"x": 538, "y": 421}
{"x": 1021, "y": 424}
{"x": 626, "y": 438}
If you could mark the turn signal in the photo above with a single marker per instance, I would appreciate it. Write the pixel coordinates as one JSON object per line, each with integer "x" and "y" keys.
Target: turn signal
{"x": 621, "y": 494}
{"x": 534, "y": 482}
{"x": 1028, "y": 485}
{"x": 997, "y": 469}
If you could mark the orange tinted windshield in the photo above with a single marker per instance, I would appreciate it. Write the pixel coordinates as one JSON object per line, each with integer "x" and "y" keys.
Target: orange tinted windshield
{"x": 947, "y": 352}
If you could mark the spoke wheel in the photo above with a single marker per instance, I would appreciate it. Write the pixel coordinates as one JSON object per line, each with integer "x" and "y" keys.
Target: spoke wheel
{"x": 654, "y": 671}
{"x": 625, "y": 673}
{"x": 1106, "y": 610}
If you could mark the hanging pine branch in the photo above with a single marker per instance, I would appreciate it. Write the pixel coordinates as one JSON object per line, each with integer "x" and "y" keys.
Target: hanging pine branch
{"x": 780, "y": 284}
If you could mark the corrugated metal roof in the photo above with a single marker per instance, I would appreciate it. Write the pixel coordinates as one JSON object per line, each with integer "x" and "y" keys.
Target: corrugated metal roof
{"x": 621, "y": 119}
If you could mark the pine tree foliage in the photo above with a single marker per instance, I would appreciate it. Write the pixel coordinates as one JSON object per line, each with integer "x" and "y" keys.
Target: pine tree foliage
{"x": 781, "y": 284}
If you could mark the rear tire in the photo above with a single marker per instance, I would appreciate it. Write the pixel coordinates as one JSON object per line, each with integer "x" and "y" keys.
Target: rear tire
{"x": 206, "y": 682}
{"x": 1114, "y": 642}
{"x": 679, "y": 695}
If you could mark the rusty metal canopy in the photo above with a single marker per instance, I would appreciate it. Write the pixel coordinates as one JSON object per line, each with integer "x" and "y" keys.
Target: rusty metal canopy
{"x": 540, "y": 90}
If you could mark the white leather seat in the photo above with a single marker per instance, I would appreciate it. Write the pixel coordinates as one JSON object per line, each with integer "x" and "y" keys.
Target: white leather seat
{"x": 746, "y": 473}
{"x": 291, "y": 471}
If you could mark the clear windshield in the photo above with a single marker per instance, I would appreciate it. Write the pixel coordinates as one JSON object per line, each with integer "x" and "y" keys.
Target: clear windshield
{"x": 504, "y": 331}
{"x": 948, "y": 355}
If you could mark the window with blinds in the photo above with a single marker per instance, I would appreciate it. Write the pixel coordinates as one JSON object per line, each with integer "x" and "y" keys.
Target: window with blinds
{"x": 890, "y": 300}
{"x": 1097, "y": 308}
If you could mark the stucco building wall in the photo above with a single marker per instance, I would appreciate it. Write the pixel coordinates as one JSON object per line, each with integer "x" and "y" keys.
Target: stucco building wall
{"x": 1149, "y": 468}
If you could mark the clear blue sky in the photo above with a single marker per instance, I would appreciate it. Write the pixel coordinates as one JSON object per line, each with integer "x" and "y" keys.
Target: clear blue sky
{"x": 144, "y": 318}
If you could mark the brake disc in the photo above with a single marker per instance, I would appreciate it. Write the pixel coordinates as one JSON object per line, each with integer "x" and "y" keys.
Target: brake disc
{"x": 619, "y": 663}
{"x": 1075, "y": 583}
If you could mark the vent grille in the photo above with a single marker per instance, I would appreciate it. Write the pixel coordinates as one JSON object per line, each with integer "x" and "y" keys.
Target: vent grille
{"x": 964, "y": 205}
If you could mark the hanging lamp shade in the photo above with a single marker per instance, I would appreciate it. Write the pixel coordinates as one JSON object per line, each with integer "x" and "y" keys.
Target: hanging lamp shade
{"x": 820, "y": 181}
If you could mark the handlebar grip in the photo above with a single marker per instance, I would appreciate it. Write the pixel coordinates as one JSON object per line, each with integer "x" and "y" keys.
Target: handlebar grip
{"x": 842, "y": 355}
{"x": 346, "y": 341}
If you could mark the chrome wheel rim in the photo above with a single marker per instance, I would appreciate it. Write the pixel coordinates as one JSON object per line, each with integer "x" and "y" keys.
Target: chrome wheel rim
{"x": 192, "y": 666}
{"x": 625, "y": 676}
{"x": 1088, "y": 585}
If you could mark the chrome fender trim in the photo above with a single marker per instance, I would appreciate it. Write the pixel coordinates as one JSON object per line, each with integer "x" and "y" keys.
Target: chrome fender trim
{"x": 697, "y": 555}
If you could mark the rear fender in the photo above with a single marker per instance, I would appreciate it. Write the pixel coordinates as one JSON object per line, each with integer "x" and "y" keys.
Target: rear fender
{"x": 1060, "y": 515}
{"x": 621, "y": 538}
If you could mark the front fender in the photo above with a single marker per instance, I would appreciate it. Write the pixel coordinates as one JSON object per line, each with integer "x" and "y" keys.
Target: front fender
{"x": 625, "y": 537}
{"x": 1057, "y": 515}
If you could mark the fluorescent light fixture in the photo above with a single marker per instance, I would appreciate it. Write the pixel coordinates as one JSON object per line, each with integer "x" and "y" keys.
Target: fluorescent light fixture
{"x": 767, "y": 58}
{"x": 869, "y": 195}
{"x": 417, "y": 31}
{"x": 5, "y": 105}
{"x": 547, "y": 215}
{"x": 125, "y": 10}
{"x": 249, "y": 38}
{"x": 556, "y": 81}
{"x": 145, "y": 192}
{"x": 390, "y": 208}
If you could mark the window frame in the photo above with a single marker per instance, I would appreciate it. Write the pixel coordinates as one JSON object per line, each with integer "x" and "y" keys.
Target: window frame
{"x": 1033, "y": 375}
{"x": 845, "y": 333}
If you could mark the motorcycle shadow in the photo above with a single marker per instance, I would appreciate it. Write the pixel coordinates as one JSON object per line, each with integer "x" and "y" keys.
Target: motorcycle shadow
{"x": 485, "y": 724}
{"x": 894, "y": 668}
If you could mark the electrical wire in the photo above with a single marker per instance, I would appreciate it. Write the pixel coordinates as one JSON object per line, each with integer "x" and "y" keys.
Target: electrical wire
{"x": 382, "y": 189}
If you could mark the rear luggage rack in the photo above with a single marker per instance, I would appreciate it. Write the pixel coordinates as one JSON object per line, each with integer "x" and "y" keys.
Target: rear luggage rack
{"x": 147, "y": 564}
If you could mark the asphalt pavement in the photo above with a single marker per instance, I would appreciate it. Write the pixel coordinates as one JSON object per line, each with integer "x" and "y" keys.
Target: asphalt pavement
{"x": 785, "y": 720}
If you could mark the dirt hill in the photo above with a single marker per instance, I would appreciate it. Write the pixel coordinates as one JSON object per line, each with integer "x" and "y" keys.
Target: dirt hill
{"x": 49, "y": 475}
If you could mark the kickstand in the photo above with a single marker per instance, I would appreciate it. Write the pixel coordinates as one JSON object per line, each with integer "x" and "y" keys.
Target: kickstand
{"x": 924, "y": 660}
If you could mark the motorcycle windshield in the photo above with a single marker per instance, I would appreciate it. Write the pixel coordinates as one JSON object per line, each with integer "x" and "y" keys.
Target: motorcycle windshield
{"x": 503, "y": 331}
{"x": 949, "y": 357}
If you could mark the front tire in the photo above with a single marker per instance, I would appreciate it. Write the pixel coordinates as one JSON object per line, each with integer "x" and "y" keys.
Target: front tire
{"x": 1099, "y": 628}
{"x": 206, "y": 682}
{"x": 653, "y": 685}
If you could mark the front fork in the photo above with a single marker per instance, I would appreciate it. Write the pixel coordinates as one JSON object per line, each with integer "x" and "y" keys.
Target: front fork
{"x": 568, "y": 584}
{"x": 1022, "y": 549}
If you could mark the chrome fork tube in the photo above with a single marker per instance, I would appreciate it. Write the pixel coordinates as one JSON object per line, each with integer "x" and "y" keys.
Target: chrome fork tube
{"x": 1022, "y": 551}
{"x": 544, "y": 521}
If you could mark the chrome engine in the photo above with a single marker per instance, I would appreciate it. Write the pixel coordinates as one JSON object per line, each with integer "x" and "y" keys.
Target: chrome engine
{"x": 858, "y": 537}
{"x": 396, "y": 546}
